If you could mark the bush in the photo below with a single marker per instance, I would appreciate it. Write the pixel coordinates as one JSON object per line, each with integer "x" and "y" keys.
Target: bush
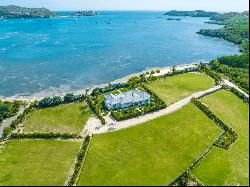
{"x": 6, "y": 131}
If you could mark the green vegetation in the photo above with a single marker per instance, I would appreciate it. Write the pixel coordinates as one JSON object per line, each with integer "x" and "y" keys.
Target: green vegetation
{"x": 68, "y": 118}
{"x": 80, "y": 161}
{"x": 36, "y": 162}
{"x": 153, "y": 153}
{"x": 14, "y": 12}
{"x": 227, "y": 167}
{"x": 178, "y": 87}
{"x": 236, "y": 30}
{"x": 195, "y": 13}
{"x": 239, "y": 76}
{"x": 8, "y": 109}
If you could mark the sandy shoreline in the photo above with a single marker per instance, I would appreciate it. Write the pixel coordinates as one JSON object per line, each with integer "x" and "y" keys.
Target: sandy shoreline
{"x": 41, "y": 95}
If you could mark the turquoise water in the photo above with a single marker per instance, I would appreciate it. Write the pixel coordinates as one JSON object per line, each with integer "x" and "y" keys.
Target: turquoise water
{"x": 64, "y": 53}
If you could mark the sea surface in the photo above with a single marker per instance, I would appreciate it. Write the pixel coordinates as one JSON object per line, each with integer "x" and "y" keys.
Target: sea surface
{"x": 62, "y": 54}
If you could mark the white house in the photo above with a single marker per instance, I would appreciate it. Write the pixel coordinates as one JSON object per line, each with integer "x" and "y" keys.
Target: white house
{"x": 133, "y": 97}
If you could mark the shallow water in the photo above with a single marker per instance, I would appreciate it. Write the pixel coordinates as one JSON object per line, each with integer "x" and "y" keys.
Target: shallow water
{"x": 60, "y": 54}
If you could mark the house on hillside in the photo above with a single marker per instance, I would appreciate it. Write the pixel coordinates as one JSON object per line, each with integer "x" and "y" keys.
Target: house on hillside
{"x": 133, "y": 97}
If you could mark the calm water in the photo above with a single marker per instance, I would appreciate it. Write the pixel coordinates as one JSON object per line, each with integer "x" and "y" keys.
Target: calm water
{"x": 64, "y": 53}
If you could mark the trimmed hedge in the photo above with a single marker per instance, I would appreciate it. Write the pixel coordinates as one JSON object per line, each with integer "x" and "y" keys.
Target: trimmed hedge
{"x": 210, "y": 114}
{"x": 237, "y": 93}
{"x": 48, "y": 135}
{"x": 109, "y": 88}
{"x": 226, "y": 139}
{"x": 21, "y": 117}
{"x": 216, "y": 76}
{"x": 79, "y": 163}
{"x": 185, "y": 179}
{"x": 229, "y": 135}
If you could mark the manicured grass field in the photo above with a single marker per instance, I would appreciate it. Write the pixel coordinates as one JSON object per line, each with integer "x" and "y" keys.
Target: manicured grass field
{"x": 227, "y": 167}
{"x": 68, "y": 118}
{"x": 153, "y": 153}
{"x": 172, "y": 89}
{"x": 36, "y": 162}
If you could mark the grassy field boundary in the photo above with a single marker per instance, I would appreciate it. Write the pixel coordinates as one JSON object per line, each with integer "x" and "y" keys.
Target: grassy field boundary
{"x": 49, "y": 135}
{"x": 236, "y": 92}
{"x": 221, "y": 125}
{"x": 80, "y": 160}
{"x": 198, "y": 160}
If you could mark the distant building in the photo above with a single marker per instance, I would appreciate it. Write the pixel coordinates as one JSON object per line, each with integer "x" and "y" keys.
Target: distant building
{"x": 134, "y": 97}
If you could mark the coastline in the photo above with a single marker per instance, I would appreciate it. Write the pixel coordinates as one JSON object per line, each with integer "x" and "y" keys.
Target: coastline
{"x": 43, "y": 94}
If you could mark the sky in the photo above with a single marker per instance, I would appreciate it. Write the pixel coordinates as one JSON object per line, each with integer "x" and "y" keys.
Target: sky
{"x": 212, "y": 5}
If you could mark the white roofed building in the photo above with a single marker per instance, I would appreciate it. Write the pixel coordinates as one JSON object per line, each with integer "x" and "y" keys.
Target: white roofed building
{"x": 133, "y": 97}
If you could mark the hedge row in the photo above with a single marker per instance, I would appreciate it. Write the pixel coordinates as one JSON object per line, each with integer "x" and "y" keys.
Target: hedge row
{"x": 79, "y": 162}
{"x": 19, "y": 119}
{"x": 95, "y": 109}
{"x": 109, "y": 88}
{"x": 211, "y": 73}
{"x": 226, "y": 140}
{"x": 237, "y": 93}
{"x": 45, "y": 135}
{"x": 228, "y": 137}
{"x": 210, "y": 114}
{"x": 185, "y": 179}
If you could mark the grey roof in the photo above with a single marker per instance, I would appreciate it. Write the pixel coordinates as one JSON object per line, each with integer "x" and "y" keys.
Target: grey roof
{"x": 133, "y": 96}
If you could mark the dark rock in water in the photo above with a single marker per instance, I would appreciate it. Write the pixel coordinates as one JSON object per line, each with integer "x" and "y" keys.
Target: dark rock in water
{"x": 14, "y": 12}
{"x": 85, "y": 13}
{"x": 176, "y": 19}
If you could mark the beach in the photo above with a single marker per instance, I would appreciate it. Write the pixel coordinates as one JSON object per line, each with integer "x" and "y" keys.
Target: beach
{"x": 41, "y": 95}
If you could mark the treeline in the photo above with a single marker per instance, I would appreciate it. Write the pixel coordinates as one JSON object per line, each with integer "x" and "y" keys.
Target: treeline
{"x": 9, "y": 109}
{"x": 55, "y": 101}
{"x": 239, "y": 76}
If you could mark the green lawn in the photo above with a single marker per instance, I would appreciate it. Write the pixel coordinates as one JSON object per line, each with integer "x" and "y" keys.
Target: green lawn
{"x": 227, "y": 167}
{"x": 178, "y": 87}
{"x": 153, "y": 153}
{"x": 68, "y": 118}
{"x": 37, "y": 162}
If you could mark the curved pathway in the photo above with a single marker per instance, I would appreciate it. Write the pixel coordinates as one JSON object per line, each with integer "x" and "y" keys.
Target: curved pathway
{"x": 94, "y": 126}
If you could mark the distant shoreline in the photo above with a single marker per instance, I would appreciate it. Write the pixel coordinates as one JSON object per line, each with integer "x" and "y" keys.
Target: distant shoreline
{"x": 43, "y": 94}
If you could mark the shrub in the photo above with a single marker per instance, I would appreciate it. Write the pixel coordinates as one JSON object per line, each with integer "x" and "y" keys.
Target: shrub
{"x": 158, "y": 71}
{"x": 6, "y": 132}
